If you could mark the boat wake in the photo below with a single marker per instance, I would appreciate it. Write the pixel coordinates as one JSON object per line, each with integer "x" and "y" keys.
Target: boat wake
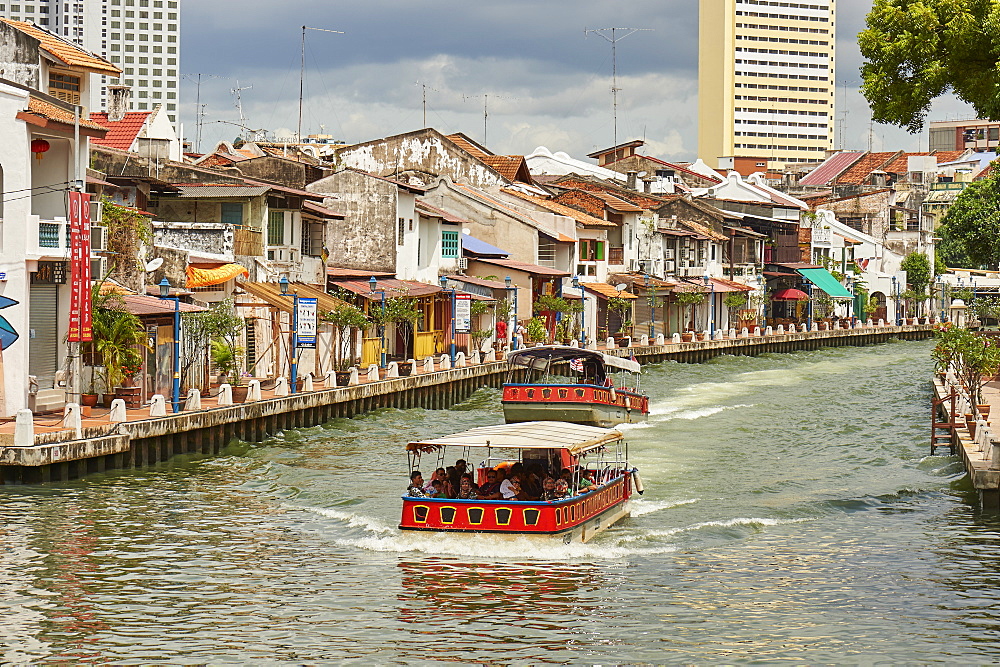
{"x": 754, "y": 523}
{"x": 643, "y": 507}
{"x": 678, "y": 413}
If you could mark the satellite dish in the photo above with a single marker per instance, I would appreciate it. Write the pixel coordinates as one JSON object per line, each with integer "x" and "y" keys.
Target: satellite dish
{"x": 621, "y": 287}
{"x": 466, "y": 231}
{"x": 154, "y": 264}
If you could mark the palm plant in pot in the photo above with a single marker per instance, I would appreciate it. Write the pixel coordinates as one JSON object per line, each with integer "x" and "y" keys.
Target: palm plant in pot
{"x": 345, "y": 319}
{"x": 689, "y": 300}
{"x": 226, "y": 349}
{"x": 621, "y": 307}
{"x": 118, "y": 337}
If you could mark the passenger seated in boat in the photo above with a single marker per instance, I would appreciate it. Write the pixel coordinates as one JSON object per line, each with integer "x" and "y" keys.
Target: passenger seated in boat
{"x": 438, "y": 489}
{"x": 567, "y": 476}
{"x": 587, "y": 482}
{"x": 467, "y": 490}
{"x": 561, "y": 489}
{"x": 491, "y": 489}
{"x": 451, "y": 482}
{"x": 512, "y": 488}
{"x": 416, "y": 488}
{"x": 461, "y": 466}
{"x": 438, "y": 474}
{"x": 549, "y": 489}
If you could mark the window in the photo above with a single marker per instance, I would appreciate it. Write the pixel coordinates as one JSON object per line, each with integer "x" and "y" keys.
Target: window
{"x": 65, "y": 87}
{"x": 449, "y": 244}
{"x": 591, "y": 250}
{"x": 312, "y": 239}
{"x": 276, "y": 228}
{"x": 232, "y": 213}
{"x": 402, "y": 231}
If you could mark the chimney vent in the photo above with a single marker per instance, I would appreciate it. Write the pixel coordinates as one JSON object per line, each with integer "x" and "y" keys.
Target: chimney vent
{"x": 119, "y": 101}
{"x": 630, "y": 177}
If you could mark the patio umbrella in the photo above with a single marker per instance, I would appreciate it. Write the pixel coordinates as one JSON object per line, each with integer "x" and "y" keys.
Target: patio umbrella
{"x": 789, "y": 295}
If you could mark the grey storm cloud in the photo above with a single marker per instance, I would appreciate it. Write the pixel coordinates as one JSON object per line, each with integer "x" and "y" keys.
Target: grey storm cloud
{"x": 541, "y": 79}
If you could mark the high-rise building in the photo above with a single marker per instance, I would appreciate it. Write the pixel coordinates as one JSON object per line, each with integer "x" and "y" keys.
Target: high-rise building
{"x": 140, "y": 36}
{"x": 766, "y": 80}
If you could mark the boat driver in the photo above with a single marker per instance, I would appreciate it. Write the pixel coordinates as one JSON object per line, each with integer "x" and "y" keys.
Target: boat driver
{"x": 416, "y": 488}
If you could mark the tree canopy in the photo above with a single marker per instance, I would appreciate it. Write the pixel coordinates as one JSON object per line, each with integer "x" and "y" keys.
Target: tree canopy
{"x": 917, "y": 50}
{"x": 918, "y": 271}
{"x": 970, "y": 232}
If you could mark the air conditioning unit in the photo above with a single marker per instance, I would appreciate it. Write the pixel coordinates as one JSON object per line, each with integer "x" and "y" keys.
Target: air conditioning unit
{"x": 96, "y": 212}
{"x": 98, "y": 239}
{"x": 98, "y": 268}
{"x": 463, "y": 263}
{"x": 669, "y": 266}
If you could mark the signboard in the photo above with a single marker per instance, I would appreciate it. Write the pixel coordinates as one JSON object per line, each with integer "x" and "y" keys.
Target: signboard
{"x": 80, "y": 323}
{"x": 463, "y": 313}
{"x": 306, "y": 333}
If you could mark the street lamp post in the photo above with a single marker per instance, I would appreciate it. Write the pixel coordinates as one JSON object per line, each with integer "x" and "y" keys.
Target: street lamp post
{"x": 512, "y": 295}
{"x": 895, "y": 300}
{"x": 444, "y": 286}
{"x": 175, "y": 397}
{"x": 583, "y": 311}
{"x": 711, "y": 305}
{"x": 295, "y": 331}
{"x": 373, "y": 283}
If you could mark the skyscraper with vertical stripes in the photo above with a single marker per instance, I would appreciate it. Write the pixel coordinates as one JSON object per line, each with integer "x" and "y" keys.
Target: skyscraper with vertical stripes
{"x": 766, "y": 80}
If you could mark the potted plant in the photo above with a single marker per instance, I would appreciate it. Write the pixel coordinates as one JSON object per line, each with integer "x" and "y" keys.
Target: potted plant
{"x": 117, "y": 338}
{"x": 478, "y": 337}
{"x": 345, "y": 319}
{"x": 535, "y": 331}
{"x": 226, "y": 330}
{"x": 689, "y": 300}
{"x": 552, "y": 304}
{"x": 621, "y": 307}
{"x": 734, "y": 302}
{"x": 562, "y": 332}
{"x": 403, "y": 313}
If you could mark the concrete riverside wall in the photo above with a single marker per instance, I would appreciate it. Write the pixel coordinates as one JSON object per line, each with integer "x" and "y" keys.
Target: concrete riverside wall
{"x": 133, "y": 444}
{"x": 977, "y": 458}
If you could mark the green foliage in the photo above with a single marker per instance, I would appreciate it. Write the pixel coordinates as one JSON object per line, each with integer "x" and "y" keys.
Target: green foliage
{"x": 535, "y": 330}
{"x": 735, "y": 300}
{"x": 128, "y": 232}
{"x": 118, "y": 338}
{"x": 228, "y": 359}
{"x": 225, "y": 330}
{"x": 917, "y": 50}
{"x": 985, "y": 307}
{"x": 344, "y": 318}
{"x": 504, "y": 309}
{"x": 479, "y": 307}
{"x": 972, "y": 357}
{"x": 690, "y": 298}
{"x": 965, "y": 294}
{"x": 918, "y": 271}
{"x": 970, "y": 232}
{"x": 940, "y": 267}
{"x": 551, "y": 304}
{"x": 619, "y": 305}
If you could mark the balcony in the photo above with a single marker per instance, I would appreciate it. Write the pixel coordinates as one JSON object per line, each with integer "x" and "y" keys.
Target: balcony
{"x": 824, "y": 235}
{"x": 47, "y": 239}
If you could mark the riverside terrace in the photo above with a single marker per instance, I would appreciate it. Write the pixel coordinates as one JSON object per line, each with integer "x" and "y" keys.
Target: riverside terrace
{"x": 97, "y": 444}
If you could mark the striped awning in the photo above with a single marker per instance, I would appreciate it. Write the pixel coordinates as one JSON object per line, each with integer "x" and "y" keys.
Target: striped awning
{"x": 205, "y": 277}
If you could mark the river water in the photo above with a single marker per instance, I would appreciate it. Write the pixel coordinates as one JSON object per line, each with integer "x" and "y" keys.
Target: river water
{"x": 791, "y": 513}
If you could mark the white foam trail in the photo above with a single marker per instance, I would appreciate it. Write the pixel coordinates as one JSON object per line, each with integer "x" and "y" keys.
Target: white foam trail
{"x": 702, "y": 412}
{"x": 729, "y": 523}
{"x": 642, "y": 507}
{"x": 354, "y": 520}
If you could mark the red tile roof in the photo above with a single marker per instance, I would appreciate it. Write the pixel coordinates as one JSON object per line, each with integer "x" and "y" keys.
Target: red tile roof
{"x": 121, "y": 134}
{"x": 832, "y": 167}
{"x": 900, "y": 164}
{"x": 392, "y": 287}
{"x": 863, "y": 168}
{"x": 521, "y": 266}
{"x": 47, "y": 111}
{"x": 65, "y": 51}
{"x": 560, "y": 209}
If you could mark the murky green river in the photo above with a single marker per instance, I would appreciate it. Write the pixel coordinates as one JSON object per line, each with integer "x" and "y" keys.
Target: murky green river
{"x": 791, "y": 513}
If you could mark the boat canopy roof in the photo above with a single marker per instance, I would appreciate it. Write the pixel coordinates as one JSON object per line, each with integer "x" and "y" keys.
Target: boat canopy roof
{"x": 576, "y": 438}
{"x": 538, "y": 358}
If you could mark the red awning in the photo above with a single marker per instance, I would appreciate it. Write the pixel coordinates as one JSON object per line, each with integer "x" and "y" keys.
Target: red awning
{"x": 789, "y": 295}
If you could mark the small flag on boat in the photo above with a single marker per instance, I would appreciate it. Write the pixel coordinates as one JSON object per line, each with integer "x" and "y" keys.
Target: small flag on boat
{"x": 632, "y": 358}
{"x": 576, "y": 365}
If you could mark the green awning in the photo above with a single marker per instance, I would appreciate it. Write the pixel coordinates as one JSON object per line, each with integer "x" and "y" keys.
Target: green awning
{"x": 824, "y": 280}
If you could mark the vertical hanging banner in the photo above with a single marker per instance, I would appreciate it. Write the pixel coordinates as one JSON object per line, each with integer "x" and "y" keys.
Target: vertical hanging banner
{"x": 463, "y": 313}
{"x": 307, "y": 323}
{"x": 80, "y": 322}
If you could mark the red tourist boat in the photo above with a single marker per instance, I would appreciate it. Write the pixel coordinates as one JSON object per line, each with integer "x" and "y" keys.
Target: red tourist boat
{"x": 588, "y": 396}
{"x": 550, "y": 446}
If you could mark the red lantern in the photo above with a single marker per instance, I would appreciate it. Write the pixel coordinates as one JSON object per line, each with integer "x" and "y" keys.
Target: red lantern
{"x": 39, "y": 146}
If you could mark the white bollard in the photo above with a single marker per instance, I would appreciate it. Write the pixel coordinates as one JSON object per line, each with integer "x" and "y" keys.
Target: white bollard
{"x": 24, "y": 428}
{"x": 706, "y": 335}
{"x": 628, "y": 341}
{"x": 491, "y": 356}
{"x": 870, "y": 322}
{"x": 372, "y": 374}
{"x": 659, "y": 339}
{"x": 881, "y": 323}
{"x": 676, "y": 338}
{"x": 769, "y": 331}
{"x": 429, "y": 365}
{"x": 644, "y": 340}
{"x": 791, "y": 328}
{"x": 460, "y": 360}
{"x": 732, "y": 333}
{"x": 118, "y": 411}
{"x": 392, "y": 370}
{"x": 610, "y": 343}
{"x": 744, "y": 333}
{"x": 280, "y": 387}
{"x": 225, "y": 396}
{"x": 330, "y": 379}
{"x": 307, "y": 382}
{"x": 73, "y": 420}
{"x": 574, "y": 343}
{"x": 157, "y": 406}
{"x": 815, "y": 326}
{"x": 756, "y": 331}
{"x": 253, "y": 391}
{"x": 476, "y": 358}
{"x": 444, "y": 363}
{"x": 781, "y": 329}
{"x": 414, "y": 366}
{"x": 718, "y": 335}
{"x": 355, "y": 378}
{"x": 193, "y": 399}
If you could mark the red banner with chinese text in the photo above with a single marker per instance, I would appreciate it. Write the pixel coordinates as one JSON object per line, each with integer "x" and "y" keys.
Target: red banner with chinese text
{"x": 80, "y": 322}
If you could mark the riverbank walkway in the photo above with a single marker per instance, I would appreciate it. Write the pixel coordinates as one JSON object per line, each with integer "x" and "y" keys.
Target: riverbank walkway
{"x": 62, "y": 449}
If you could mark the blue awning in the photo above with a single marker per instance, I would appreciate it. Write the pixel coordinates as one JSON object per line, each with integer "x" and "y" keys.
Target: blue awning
{"x": 824, "y": 280}
{"x": 474, "y": 246}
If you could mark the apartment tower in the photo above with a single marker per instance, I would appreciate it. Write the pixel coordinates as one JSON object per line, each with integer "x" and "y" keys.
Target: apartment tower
{"x": 140, "y": 36}
{"x": 766, "y": 80}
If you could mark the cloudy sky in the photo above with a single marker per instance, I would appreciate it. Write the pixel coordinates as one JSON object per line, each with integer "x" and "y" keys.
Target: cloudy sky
{"x": 544, "y": 81}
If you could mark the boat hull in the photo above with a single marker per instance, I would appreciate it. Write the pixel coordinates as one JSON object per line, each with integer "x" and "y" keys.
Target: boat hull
{"x": 577, "y": 519}
{"x": 579, "y": 404}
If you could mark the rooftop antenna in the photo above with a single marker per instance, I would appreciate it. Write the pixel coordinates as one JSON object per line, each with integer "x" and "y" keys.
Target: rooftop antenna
{"x": 424, "y": 87}
{"x": 486, "y": 101}
{"x": 843, "y": 118}
{"x": 610, "y": 34}
{"x": 302, "y": 75}
{"x": 200, "y": 113}
{"x": 238, "y": 92}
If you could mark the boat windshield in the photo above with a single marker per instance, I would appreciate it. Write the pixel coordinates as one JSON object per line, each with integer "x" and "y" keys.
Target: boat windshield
{"x": 563, "y": 365}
